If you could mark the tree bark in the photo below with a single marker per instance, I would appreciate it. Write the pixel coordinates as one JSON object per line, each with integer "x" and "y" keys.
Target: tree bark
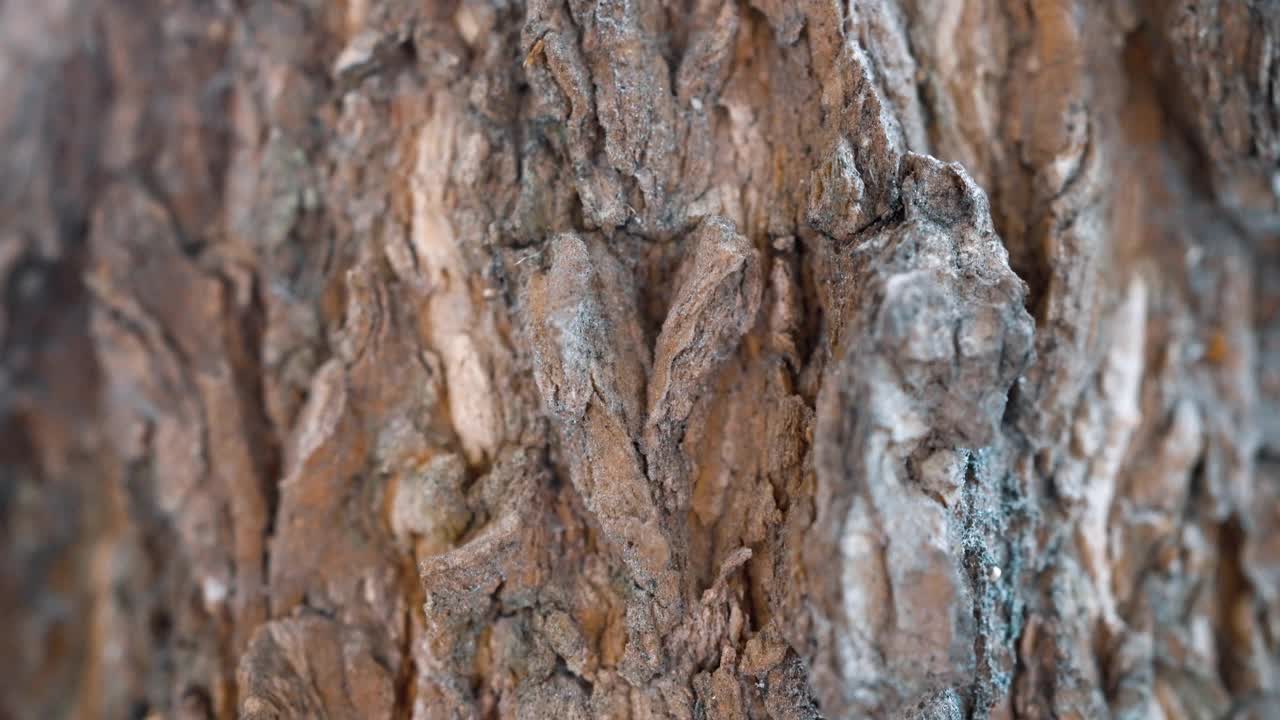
{"x": 639, "y": 359}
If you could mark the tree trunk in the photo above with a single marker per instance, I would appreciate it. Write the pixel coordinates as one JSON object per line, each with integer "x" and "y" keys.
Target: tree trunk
{"x": 639, "y": 359}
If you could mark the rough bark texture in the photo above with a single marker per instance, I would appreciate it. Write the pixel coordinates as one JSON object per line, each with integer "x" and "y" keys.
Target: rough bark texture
{"x": 630, "y": 359}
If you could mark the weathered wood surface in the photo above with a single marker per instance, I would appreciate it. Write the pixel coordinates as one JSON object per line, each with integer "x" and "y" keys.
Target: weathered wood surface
{"x": 630, "y": 359}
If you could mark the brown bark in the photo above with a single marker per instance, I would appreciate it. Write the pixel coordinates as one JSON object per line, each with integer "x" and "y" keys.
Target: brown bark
{"x": 630, "y": 359}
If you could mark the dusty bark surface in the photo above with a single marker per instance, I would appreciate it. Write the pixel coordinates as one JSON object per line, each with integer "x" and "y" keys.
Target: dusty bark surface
{"x": 627, "y": 359}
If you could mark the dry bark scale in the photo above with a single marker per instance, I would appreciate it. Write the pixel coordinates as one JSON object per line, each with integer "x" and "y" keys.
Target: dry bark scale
{"x": 640, "y": 359}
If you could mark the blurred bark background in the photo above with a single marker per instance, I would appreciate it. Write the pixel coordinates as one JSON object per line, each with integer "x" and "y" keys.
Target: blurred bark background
{"x": 640, "y": 359}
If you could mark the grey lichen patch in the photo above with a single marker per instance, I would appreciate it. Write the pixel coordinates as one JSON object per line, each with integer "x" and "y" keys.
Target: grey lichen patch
{"x": 935, "y": 340}
{"x": 941, "y": 705}
{"x": 588, "y": 340}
